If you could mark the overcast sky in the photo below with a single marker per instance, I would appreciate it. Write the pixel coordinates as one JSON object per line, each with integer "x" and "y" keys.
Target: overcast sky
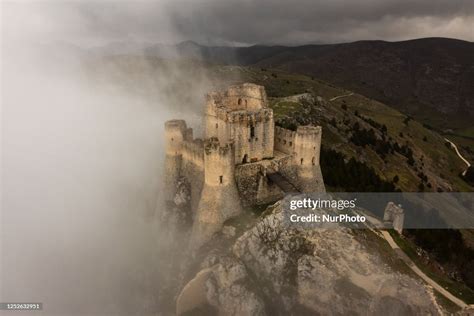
{"x": 243, "y": 22}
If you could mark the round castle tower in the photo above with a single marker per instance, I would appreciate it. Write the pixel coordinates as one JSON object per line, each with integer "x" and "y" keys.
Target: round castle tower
{"x": 306, "y": 158}
{"x": 219, "y": 198}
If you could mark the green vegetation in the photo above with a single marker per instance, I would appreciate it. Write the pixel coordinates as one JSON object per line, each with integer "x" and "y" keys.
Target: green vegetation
{"x": 448, "y": 306}
{"x": 380, "y": 247}
{"x": 469, "y": 176}
{"x": 283, "y": 108}
{"x": 350, "y": 176}
{"x": 456, "y": 288}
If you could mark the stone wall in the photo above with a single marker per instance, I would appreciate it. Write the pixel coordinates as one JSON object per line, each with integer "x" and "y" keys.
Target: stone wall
{"x": 241, "y": 115}
{"x": 192, "y": 168}
{"x": 306, "y": 158}
{"x": 253, "y": 185}
{"x": 284, "y": 140}
{"x": 307, "y": 145}
{"x": 220, "y": 198}
{"x": 247, "y": 97}
{"x": 175, "y": 131}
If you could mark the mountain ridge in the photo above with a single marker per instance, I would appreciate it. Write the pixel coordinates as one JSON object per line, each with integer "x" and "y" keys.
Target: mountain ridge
{"x": 428, "y": 78}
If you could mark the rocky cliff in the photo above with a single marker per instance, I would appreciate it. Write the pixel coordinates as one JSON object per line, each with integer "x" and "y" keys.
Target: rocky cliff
{"x": 270, "y": 269}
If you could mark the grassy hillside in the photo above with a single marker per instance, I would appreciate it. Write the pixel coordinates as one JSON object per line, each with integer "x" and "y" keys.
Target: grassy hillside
{"x": 395, "y": 146}
{"x": 435, "y": 165}
{"x": 429, "y": 78}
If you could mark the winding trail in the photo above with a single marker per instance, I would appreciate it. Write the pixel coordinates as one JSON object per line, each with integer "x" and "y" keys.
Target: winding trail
{"x": 420, "y": 273}
{"x": 375, "y": 225}
{"x": 341, "y": 96}
{"x": 459, "y": 154}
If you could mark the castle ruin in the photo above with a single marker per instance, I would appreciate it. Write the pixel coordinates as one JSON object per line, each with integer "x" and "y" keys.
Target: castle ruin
{"x": 394, "y": 216}
{"x": 244, "y": 159}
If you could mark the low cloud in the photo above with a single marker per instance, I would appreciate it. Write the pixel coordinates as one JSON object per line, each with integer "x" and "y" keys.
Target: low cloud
{"x": 237, "y": 22}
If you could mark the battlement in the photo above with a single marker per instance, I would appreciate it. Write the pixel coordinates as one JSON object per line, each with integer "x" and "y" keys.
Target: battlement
{"x": 264, "y": 115}
{"x": 212, "y": 145}
{"x": 244, "y": 97}
{"x": 308, "y": 130}
{"x": 176, "y": 126}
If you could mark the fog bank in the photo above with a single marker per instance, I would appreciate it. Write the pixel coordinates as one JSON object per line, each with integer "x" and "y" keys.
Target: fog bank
{"x": 81, "y": 177}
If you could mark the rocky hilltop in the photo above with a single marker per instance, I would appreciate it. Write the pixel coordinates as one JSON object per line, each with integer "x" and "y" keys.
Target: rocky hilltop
{"x": 266, "y": 268}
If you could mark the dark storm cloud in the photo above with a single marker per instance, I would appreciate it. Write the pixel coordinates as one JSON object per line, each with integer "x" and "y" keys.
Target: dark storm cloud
{"x": 266, "y": 21}
{"x": 299, "y": 21}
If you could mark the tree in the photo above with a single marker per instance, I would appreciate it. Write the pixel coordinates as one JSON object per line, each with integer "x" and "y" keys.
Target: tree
{"x": 421, "y": 187}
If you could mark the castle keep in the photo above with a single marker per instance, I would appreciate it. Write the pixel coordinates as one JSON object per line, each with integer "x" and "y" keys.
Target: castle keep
{"x": 243, "y": 160}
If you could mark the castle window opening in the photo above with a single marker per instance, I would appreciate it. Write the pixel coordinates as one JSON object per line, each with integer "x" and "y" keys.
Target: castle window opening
{"x": 217, "y": 125}
{"x": 245, "y": 102}
{"x": 301, "y": 160}
{"x": 291, "y": 144}
{"x": 284, "y": 142}
{"x": 313, "y": 161}
{"x": 252, "y": 131}
{"x": 221, "y": 178}
{"x": 245, "y": 159}
{"x": 239, "y": 102}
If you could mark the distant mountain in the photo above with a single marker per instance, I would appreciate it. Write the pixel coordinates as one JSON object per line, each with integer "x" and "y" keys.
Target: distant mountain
{"x": 418, "y": 76}
{"x": 430, "y": 78}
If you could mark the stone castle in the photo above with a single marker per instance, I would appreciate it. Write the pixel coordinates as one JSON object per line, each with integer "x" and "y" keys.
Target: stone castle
{"x": 244, "y": 159}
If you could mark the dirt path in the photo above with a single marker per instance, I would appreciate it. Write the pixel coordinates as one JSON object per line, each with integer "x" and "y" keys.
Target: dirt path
{"x": 420, "y": 273}
{"x": 460, "y": 156}
{"x": 341, "y": 96}
{"x": 374, "y": 225}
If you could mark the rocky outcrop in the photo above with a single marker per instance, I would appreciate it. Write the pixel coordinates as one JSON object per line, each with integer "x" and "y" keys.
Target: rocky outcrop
{"x": 231, "y": 291}
{"x": 277, "y": 270}
{"x": 225, "y": 286}
{"x": 177, "y": 217}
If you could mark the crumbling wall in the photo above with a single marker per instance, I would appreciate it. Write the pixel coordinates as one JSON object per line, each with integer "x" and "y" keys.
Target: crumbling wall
{"x": 394, "y": 216}
{"x": 192, "y": 168}
{"x": 253, "y": 185}
{"x": 252, "y": 133}
{"x": 175, "y": 133}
